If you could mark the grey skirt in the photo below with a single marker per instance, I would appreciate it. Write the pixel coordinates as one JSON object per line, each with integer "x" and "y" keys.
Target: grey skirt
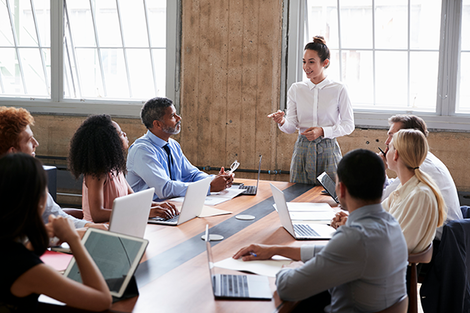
{"x": 311, "y": 158}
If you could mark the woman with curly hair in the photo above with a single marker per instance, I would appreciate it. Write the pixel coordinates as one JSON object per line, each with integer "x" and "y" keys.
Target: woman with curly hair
{"x": 24, "y": 238}
{"x": 97, "y": 151}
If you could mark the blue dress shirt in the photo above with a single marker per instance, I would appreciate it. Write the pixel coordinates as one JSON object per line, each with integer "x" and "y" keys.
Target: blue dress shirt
{"x": 363, "y": 266}
{"x": 147, "y": 166}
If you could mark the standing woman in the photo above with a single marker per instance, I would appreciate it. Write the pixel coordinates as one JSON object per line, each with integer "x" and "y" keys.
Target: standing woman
{"x": 97, "y": 151}
{"x": 321, "y": 110}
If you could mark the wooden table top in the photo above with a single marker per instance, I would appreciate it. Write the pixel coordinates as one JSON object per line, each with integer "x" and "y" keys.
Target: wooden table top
{"x": 174, "y": 276}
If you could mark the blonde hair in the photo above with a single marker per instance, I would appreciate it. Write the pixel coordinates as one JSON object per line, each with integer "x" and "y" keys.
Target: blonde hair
{"x": 412, "y": 146}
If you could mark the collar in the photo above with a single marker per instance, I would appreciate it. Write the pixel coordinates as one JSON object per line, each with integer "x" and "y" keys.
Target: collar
{"x": 367, "y": 210}
{"x": 156, "y": 140}
{"x": 407, "y": 187}
{"x": 320, "y": 85}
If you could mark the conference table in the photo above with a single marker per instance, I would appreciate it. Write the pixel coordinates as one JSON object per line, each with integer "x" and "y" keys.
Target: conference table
{"x": 174, "y": 275}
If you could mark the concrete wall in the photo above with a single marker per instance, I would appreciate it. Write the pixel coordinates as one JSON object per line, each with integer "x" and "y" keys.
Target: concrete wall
{"x": 230, "y": 81}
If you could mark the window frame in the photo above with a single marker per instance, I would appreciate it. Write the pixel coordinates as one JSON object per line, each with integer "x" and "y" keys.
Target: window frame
{"x": 56, "y": 104}
{"x": 444, "y": 118}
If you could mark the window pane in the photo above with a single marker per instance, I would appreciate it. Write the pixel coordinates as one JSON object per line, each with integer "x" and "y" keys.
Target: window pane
{"x": 33, "y": 72}
{"x": 356, "y": 21}
{"x": 358, "y": 75}
{"x": 107, "y": 24}
{"x": 463, "y": 101}
{"x": 81, "y": 23}
{"x": 9, "y": 69}
{"x": 115, "y": 75}
{"x": 23, "y": 21}
{"x": 133, "y": 22}
{"x": 425, "y": 24}
{"x": 423, "y": 80}
{"x": 322, "y": 20}
{"x": 465, "y": 35}
{"x": 391, "y": 80}
{"x": 159, "y": 59}
{"x": 156, "y": 12}
{"x": 141, "y": 77}
{"x": 6, "y": 36}
{"x": 89, "y": 73}
{"x": 391, "y": 24}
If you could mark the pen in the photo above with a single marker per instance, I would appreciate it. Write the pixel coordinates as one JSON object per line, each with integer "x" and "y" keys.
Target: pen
{"x": 382, "y": 152}
{"x": 253, "y": 254}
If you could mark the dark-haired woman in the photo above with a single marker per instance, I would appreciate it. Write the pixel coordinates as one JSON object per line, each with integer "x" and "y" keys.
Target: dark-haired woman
{"x": 321, "y": 110}
{"x": 97, "y": 151}
{"x": 23, "y": 236}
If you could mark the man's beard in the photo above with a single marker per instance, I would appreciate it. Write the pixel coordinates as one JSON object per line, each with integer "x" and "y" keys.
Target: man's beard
{"x": 173, "y": 130}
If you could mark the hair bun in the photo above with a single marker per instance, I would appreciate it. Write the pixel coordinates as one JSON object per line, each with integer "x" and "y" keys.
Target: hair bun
{"x": 319, "y": 39}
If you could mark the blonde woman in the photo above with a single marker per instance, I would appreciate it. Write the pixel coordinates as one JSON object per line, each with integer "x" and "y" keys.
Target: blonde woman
{"x": 417, "y": 203}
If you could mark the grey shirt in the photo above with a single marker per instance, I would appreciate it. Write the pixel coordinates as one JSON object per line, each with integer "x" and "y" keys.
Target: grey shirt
{"x": 54, "y": 208}
{"x": 363, "y": 266}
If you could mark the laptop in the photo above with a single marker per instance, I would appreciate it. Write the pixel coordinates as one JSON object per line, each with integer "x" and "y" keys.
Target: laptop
{"x": 252, "y": 190}
{"x": 300, "y": 231}
{"x": 129, "y": 216}
{"x": 226, "y": 286}
{"x": 192, "y": 204}
{"x": 329, "y": 185}
{"x": 116, "y": 255}
{"x": 130, "y": 213}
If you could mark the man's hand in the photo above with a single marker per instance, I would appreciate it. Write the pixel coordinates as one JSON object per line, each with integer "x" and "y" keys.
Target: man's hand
{"x": 165, "y": 209}
{"x": 339, "y": 220}
{"x": 313, "y": 133}
{"x": 254, "y": 252}
{"x": 103, "y": 226}
{"x": 293, "y": 265}
{"x": 222, "y": 180}
{"x": 278, "y": 117}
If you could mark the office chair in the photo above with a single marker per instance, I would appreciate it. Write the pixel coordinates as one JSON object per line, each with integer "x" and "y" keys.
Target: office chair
{"x": 77, "y": 213}
{"x": 401, "y": 306}
{"x": 413, "y": 259}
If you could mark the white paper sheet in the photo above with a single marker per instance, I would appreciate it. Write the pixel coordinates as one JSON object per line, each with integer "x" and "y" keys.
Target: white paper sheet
{"x": 262, "y": 267}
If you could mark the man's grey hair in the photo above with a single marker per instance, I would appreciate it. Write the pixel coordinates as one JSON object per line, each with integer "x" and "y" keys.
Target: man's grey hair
{"x": 154, "y": 109}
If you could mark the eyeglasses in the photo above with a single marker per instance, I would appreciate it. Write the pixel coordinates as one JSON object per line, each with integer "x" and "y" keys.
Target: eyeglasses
{"x": 234, "y": 166}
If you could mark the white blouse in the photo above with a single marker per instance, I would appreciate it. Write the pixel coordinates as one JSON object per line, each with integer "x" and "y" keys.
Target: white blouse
{"x": 414, "y": 206}
{"x": 325, "y": 104}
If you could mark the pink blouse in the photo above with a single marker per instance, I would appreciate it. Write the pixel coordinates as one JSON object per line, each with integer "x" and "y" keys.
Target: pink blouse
{"x": 114, "y": 187}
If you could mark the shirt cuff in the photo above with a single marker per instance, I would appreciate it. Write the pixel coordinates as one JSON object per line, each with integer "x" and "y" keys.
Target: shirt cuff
{"x": 308, "y": 252}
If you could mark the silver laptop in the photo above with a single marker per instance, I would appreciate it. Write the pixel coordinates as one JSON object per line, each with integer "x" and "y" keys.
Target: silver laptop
{"x": 225, "y": 286}
{"x": 130, "y": 213}
{"x": 116, "y": 255}
{"x": 252, "y": 190}
{"x": 192, "y": 204}
{"x": 330, "y": 186}
{"x": 299, "y": 231}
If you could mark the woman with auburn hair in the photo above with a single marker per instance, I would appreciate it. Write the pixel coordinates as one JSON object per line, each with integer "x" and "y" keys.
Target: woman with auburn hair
{"x": 97, "y": 151}
{"x": 24, "y": 238}
{"x": 417, "y": 203}
{"x": 320, "y": 109}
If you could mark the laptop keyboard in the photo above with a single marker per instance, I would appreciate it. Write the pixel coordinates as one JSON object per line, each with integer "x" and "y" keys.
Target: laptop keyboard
{"x": 234, "y": 285}
{"x": 304, "y": 230}
{"x": 251, "y": 190}
{"x": 173, "y": 219}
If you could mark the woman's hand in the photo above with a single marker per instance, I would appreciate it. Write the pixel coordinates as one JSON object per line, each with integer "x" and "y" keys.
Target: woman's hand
{"x": 278, "y": 117}
{"x": 165, "y": 209}
{"x": 62, "y": 228}
{"x": 313, "y": 133}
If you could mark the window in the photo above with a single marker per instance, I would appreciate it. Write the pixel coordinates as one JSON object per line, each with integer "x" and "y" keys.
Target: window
{"x": 76, "y": 56}
{"x": 395, "y": 56}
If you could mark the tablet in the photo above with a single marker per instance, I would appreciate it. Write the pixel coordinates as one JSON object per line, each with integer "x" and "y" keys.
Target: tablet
{"x": 116, "y": 255}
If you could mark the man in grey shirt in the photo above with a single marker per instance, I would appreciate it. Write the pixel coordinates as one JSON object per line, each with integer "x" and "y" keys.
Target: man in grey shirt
{"x": 363, "y": 266}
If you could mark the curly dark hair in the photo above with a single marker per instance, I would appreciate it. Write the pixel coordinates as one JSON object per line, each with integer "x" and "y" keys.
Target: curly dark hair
{"x": 23, "y": 183}
{"x": 96, "y": 149}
